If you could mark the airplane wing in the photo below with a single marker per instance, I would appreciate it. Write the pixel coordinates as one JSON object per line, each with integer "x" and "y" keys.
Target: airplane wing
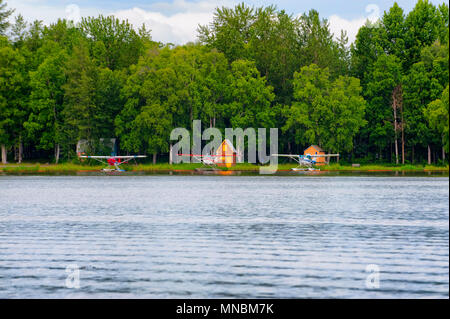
{"x": 106, "y": 157}
{"x": 325, "y": 155}
{"x": 99, "y": 157}
{"x": 130, "y": 156}
{"x": 297, "y": 156}
{"x": 192, "y": 155}
{"x": 286, "y": 155}
{"x": 195, "y": 155}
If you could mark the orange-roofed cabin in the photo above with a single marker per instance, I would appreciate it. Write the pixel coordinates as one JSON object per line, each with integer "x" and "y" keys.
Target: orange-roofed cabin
{"x": 227, "y": 154}
{"x": 316, "y": 150}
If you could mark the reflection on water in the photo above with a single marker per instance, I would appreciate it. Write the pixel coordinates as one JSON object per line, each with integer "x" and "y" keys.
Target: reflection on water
{"x": 224, "y": 236}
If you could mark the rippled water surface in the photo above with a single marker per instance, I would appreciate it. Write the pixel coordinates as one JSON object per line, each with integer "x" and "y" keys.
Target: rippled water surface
{"x": 224, "y": 237}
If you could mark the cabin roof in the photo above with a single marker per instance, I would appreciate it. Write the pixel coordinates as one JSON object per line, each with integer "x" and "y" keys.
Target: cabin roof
{"x": 230, "y": 145}
{"x": 318, "y": 148}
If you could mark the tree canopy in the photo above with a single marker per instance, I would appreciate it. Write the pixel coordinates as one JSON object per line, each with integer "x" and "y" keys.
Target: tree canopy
{"x": 382, "y": 97}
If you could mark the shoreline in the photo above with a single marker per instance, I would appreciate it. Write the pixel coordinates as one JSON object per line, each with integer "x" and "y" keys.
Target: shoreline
{"x": 190, "y": 168}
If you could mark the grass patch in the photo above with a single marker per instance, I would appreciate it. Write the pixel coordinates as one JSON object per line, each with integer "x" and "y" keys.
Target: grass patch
{"x": 161, "y": 167}
{"x": 47, "y": 168}
{"x": 387, "y": 167}
{"x": 20, "y": 169}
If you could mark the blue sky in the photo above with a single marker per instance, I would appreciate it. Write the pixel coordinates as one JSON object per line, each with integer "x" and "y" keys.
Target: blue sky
{"x": 176, "y": 20}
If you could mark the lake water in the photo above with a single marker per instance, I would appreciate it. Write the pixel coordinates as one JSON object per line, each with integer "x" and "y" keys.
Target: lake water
{"x": 224, "y": 236}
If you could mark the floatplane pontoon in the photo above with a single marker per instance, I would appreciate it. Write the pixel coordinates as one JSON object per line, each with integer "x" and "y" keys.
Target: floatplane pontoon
{"x": 305, "y": 162}
{"x": 210, "y": 162}
{"x": 113, "y": 162}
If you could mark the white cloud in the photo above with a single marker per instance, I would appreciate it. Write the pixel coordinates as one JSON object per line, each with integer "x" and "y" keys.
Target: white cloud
{"x": 174, "y": 22}
{"x": 38, "y": 10}
{"x": 177, "y": 28}
{"x": 352, "y": 26}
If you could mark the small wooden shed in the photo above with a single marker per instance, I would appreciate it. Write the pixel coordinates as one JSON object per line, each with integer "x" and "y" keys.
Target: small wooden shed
{"x": 316, "y": 150}
{"x": 227, "y": 154}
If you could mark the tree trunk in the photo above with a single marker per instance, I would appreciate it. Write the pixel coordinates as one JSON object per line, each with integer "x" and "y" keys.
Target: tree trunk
{"x": 412, "y": 155}
{"x": 4, "y": 154}
{"x": 289, "y": 150}
{"x": 403, "y": 143}
{"x": 443, "y": 154}
{"x": 170, "y": 154}
{"x": 400, "y": 103}
{"x": 395, "y": 133}
{"x": 396, "y": 149}
{"x": 154, "y": 158}
{"x": 57, "y": 150}
{"x": 20, "y": 157}
{"x": 429, "y": 155}
{"x": 397, "y": 104}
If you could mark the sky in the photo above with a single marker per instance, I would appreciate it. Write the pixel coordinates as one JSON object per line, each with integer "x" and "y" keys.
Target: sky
{"x": 176, "y": 21}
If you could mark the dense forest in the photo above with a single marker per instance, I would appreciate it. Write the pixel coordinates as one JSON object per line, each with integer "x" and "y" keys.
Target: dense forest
{"x": 383, "y": 98}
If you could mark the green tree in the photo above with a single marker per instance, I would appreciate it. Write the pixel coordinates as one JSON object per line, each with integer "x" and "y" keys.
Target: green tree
{"x": 63, "y": 33}
{"x": 422, "y": 29}
{"x": 4, "y": 15}
{"x": 35, "y": 37}
{"x": 170, "y": 88}
{"x": 113, "y": 43}
{"x": 365, "y": 51}
{"x": 19, "y": 31}
{"x": 325, "y": 113}
{"x": 108, "y": 100}
{"x": 151, "y": 98}
{"x": 264, "y": 35}
{"x": 230, "y": 31}
{"x": 437, "y": 116}
{"x": 392, "y": 32}
{"x": 343, "y": 55}
{"x": 250, "y": 97}
{"x": 45, "y": 123}
{"x": 274, "y": 46}
{"x": 12, "y": 97}
{"x": 382, "y": 115}
{"x": 79, "y": 111}
{"x": 318, "y": 45}
{"x": 443, "y": 29}
{"x": 212, "y": 87}
{"x": 347, "y": 110}
{"x": 424, "y": 83}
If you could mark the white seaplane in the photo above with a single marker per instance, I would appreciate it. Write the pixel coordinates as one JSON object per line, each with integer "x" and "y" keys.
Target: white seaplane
{"x": 210, "y": 161}
{"x": 305, "y": 162}
{"x": 113, "y": 162}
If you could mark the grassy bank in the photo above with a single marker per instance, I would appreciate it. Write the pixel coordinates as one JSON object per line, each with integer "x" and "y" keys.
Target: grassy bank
{"x": 287, "y": 167}
{"x": 47, "y": 168}
{"x": 74, "y": 168}
{"x": 386, "y": 167}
